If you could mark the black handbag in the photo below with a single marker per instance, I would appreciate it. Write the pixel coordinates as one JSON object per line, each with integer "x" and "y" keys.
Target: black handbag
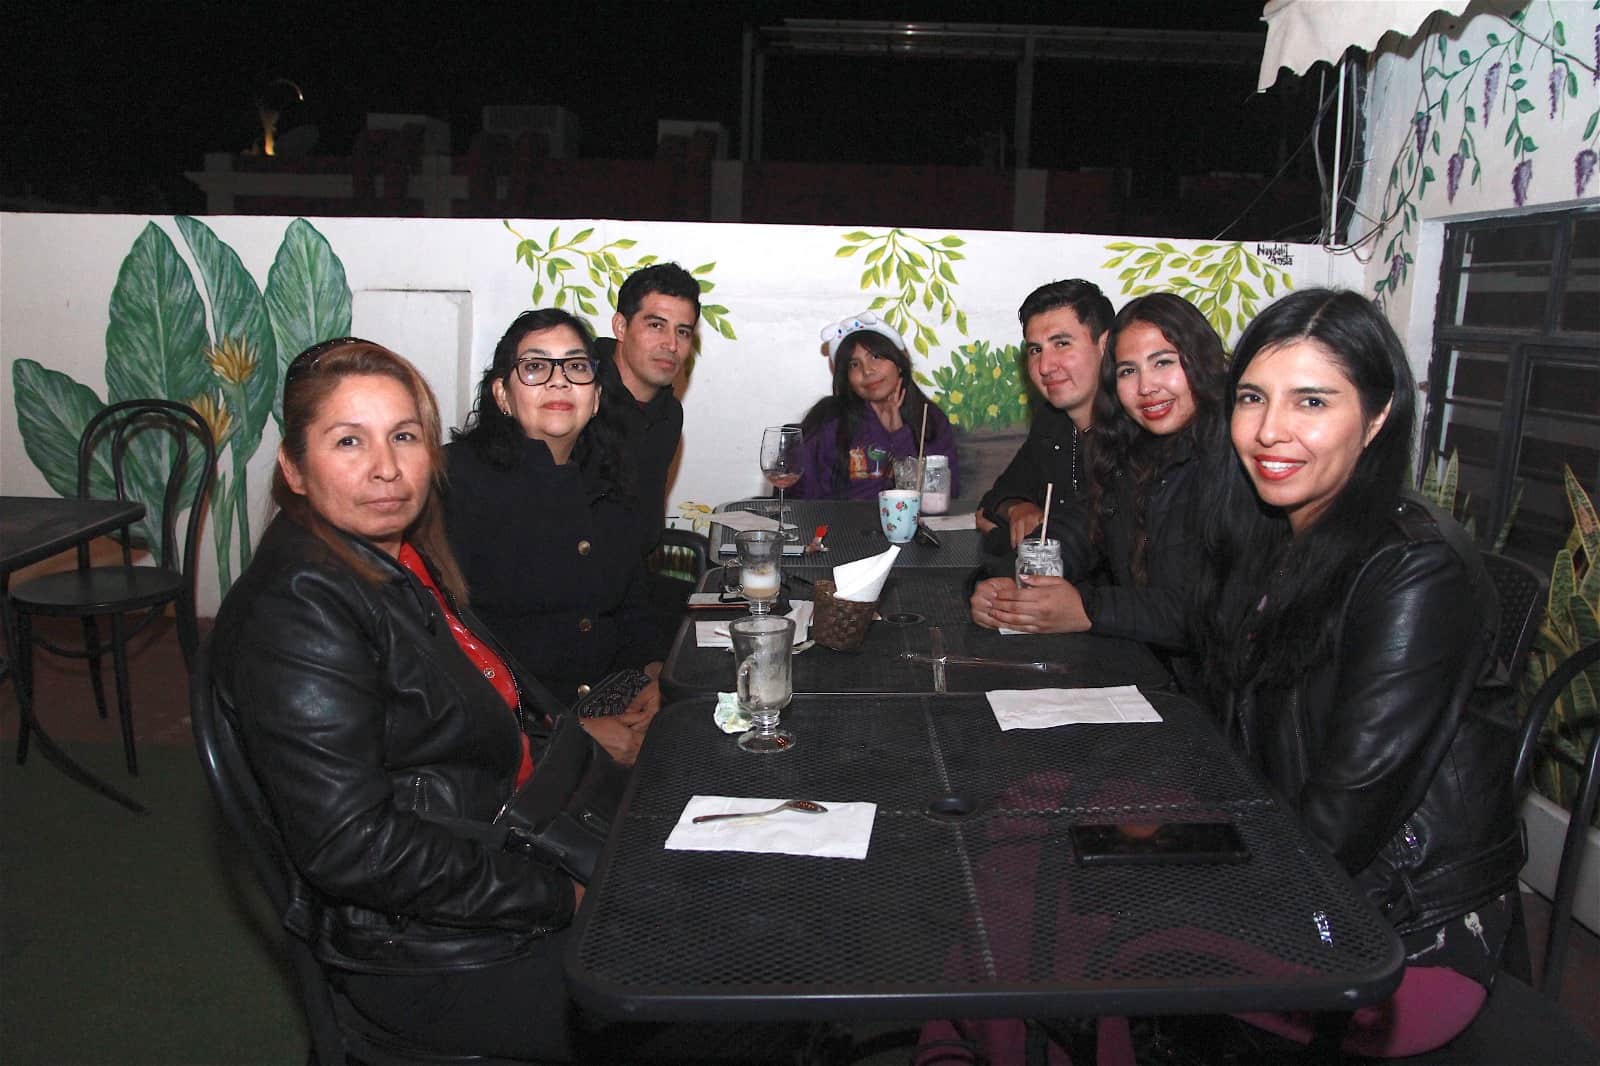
{"x": 564, "y": 812}
{"x": 611, "y": 694}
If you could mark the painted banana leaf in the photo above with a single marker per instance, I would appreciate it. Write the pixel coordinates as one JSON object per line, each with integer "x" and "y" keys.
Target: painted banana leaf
{"x": 243, "y": 352}
{"x": 52, "y": 411}
{"x": 307, "y": 298}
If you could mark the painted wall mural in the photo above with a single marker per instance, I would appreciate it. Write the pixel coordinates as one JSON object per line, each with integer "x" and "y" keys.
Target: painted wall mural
{"x": 552, "y": 261}
{"x": 1512, "y": 96}
{"x": 161, "y": 342}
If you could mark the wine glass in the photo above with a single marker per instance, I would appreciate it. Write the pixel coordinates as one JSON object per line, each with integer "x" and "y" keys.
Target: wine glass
{"x": 782, "y": 465}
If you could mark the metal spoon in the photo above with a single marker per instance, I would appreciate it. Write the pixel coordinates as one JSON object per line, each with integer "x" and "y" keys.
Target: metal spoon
{"x": 804, "y": 806}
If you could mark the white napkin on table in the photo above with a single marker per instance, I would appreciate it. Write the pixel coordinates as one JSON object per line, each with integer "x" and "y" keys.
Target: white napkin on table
{"x": 1044, "y": 708}
{"x": 741, "y": 520}
{"x": 714, "y": 634}
{"x": 842, "y": 833}
{"x": 862, "y": 580}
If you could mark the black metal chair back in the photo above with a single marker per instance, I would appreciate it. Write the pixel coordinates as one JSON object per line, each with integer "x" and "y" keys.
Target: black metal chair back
{"x": 1523, "y": 592}
{"x": 681, "y": 552}
{"x": 170, "y": 447}
{"x": 1583, "y": 808}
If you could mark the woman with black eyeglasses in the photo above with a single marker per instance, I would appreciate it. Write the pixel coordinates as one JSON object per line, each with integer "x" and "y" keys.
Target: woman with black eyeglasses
{"x": 540, "y": 516}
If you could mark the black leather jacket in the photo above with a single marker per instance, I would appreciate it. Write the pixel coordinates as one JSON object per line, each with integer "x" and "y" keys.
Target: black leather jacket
{"x": 363, "y": 721}
{"x": 1156, "y": 612}
{"x": 1380, "y": 750}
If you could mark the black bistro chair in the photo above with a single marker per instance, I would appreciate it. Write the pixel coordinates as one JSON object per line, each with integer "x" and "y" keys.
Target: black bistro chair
{"x": 176, "y": 441}
{"x": 339, "y": 1034}
{"x": 1522, "y": 591}
{"x": 1521, "y": 1022}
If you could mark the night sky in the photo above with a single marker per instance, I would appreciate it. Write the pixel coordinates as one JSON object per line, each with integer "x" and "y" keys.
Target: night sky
{"x": 113, "y": 102}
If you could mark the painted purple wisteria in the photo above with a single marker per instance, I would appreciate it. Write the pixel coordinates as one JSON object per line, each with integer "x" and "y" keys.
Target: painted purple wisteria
{"x": 1492, "y": 82}
{"x": 1520, "y": 177}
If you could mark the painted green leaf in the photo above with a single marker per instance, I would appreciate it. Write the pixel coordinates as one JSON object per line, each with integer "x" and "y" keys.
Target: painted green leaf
{"x": 583, "y": 235}
{"x": 52, "y": 410}
{"x": 243, "y": 346}
{"x": 157, "y": 333}
{"x": 847, "y": 251}
{"x": 1572, "y": 84}
{"x": 858, "y": 235}
{"x": 1559, "y": 32}
{"x": 307, "y": 298}
{"x": 1524, "y": 106}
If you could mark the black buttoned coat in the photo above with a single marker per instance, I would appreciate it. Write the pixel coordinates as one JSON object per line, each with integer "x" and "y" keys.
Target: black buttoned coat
{"x": 551, "y": 558}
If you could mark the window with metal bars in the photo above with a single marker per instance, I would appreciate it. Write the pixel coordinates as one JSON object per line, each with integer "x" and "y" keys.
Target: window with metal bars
{"x": 1514, "y": 380}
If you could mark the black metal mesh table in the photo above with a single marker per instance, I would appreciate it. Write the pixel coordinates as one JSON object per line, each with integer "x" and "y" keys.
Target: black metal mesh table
{"x": 915, "y": 600}
{"x": 985, "y": 914}
{"x": 853, "y": 533}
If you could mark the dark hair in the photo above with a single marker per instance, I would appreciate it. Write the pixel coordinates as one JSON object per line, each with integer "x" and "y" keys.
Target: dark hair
{"x": 1084, "y": 297}
{"x": 668, "y": 279}
{"x": 1120, "y": 447}
{"x": 1250, "y": 548}
{"x": 307, "y": 383}
{"x": 849, "y": 409}
{"x": 497, "y": 437}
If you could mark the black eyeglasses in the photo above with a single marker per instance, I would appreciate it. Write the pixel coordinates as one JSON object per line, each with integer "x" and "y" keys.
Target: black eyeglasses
{"x": 578, "y": 371}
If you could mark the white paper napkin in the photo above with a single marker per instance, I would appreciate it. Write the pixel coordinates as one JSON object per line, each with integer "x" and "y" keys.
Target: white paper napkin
{"x": 742, "y": 520}
{"x": 714, "y": 634}
{"x": 842, "y": 833}
{"x": 1044, "y": 708}
{"x": 862, "y": 580}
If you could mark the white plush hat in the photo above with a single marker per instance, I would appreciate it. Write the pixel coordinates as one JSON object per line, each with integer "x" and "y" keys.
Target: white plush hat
{"x": 833, "y": 335}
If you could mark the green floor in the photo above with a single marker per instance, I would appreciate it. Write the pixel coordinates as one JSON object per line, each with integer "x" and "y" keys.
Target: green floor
{"x": 132, "y": 939}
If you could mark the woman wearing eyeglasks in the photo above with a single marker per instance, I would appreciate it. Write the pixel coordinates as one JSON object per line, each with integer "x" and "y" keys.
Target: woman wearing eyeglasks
{"x": 540, "y": 515}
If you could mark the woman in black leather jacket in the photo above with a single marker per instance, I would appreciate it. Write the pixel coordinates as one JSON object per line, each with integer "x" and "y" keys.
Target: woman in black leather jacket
{"x": 1344, "y": 627}
{"x": 1158, "y": 412}
{"x": 371, "y": 705}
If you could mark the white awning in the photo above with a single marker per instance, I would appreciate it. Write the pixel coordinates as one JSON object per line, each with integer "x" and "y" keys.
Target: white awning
{"x": 1302, "y": 32}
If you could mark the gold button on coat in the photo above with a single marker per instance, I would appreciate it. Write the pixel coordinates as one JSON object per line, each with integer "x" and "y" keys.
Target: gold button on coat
{"x": 584, "y": 625}
{"x": 583, "y": 547}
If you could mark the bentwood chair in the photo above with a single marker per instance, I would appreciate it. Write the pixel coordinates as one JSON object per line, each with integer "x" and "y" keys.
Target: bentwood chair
{"x": 165, "y": 449}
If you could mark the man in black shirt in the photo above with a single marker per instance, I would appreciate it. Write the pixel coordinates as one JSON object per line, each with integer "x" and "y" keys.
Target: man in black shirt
{"x": 1064, "y": 328}
{"x": 657, "y": 309}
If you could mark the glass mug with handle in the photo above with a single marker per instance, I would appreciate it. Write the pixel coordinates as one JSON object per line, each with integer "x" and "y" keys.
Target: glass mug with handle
{"x": 763, "y": 646}
{"x": 760, "y": 573}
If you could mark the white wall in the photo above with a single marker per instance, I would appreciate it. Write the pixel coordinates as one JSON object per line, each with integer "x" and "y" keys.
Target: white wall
{"x": 1442, "y": 74}
{"x": 441, "y": 292}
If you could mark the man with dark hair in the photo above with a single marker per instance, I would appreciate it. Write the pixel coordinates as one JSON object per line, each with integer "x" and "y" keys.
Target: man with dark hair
{"x": 657, "y": 309}
{"x": 1064, "y": 328}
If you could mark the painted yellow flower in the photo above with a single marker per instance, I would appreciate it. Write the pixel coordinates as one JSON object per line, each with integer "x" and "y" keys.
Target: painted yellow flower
{"x": 955, "y": 418}
{"x": 215, "y": 412}
{"x": 956, "y": 397}
{"x": 232, "y": 360}
{"x": 972, "y": 370}
{"x": 997, "y": 373}
{"x": 994, "y": 410}
{"x": 1022, "y": 399}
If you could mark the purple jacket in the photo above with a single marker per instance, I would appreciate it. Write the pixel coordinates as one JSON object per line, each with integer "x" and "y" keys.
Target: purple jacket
{"x": 866, "y": 477}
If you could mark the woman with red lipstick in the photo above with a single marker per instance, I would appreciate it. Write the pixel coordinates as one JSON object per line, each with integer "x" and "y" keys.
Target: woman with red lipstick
{"x": 1344, "y": 626}
{"x": 539, "y": 516}
{"x": 851, "y": 438}
{"x": 1158, "y": 413}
